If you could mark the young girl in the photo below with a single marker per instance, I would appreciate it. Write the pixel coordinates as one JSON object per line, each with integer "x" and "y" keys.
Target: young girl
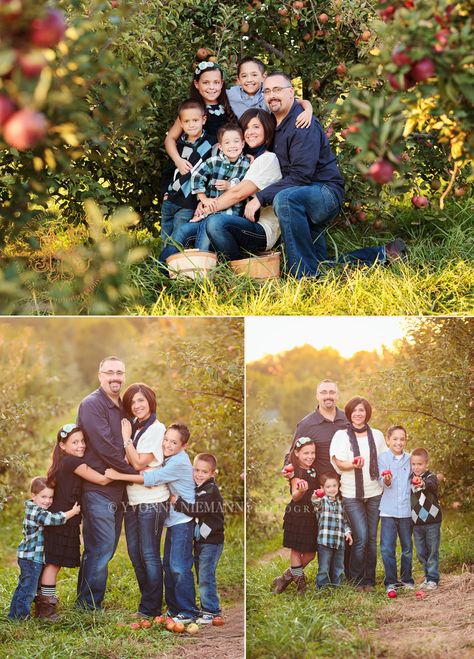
{"x": 300, "y": 526}
{"x": 208, "y": 88}
{"x": 62, "y": 543}
{"x": 333, "y": 529}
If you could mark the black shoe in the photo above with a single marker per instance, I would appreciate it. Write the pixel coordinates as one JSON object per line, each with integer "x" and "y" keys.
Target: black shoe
{"x": 396, "y": 250}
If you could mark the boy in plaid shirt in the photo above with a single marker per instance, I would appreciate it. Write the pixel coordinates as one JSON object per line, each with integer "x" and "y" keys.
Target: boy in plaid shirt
{"x": 333, "y": 529}
{"x": 31, "y": 549}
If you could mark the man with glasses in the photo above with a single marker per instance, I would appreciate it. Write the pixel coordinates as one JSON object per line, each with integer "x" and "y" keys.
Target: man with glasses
{"x": 100, "y": 415}
{"x": 311, "y": 191}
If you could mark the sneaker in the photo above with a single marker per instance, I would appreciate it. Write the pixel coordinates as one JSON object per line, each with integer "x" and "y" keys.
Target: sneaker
{"x": 396, "y": 250}
{"x": 182, "y": 617}
{"x": 431, "y": 585}
{"x": 205, "y": 618}
{"x": 408, "y": 586}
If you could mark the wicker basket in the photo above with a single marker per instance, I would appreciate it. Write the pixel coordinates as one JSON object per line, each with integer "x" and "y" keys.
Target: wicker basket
{"x": 191, "y": 263}
{"x": 263, "y": 266}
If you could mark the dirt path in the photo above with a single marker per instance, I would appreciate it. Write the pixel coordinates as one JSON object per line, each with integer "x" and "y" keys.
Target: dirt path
{"x": 226, "y": 642}
{"x": 439, "y": 626}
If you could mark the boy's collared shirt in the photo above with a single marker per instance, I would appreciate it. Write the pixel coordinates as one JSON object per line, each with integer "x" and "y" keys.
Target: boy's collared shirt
{"x": 240, "y": 101}
{"x": 177, "y": 472}
{"x": 31, "y": 548}
{"x": 332, "y": 522}
{"x": 395, "y": 500}
{"x": 219, "y": 168}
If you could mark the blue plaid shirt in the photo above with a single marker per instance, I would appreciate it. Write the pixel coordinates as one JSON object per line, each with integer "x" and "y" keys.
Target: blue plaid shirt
{"x": 333, "y": 523}
{"x": 31, "y": 548}
{"x": 219, "y": 168}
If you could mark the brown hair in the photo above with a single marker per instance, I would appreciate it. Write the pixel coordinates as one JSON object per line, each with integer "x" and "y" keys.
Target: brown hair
{"x": 352, "y": 404}
{"x": 191, "y": 104}
{"x": 38, "y": 484}
{"x": 253, "y": 60}
{"x": 293, "y": 458}
{"x": 392, "y": 429}
{"x": 267, "y": 120}
{"x": 421, "y": 453}
{"x": 183, "y": 431}
{"x": 227, "y": 128}
{"x": 135, "y": 388}
{"x": 110, "y": 359}
{"x": 222, "y": 98}
{"x": 209, "y": 458}
{"x": 325, "y": 477}
{"x": 58, "y": 453}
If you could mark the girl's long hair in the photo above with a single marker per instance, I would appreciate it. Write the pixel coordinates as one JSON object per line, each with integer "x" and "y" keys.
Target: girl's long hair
{"x": 58, "y": 454}
{"x": 222, "y": 98}
{"x": 293, "y": 458}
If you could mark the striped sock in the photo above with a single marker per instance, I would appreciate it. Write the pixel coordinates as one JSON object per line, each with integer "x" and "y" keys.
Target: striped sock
{"x": 48, "y": 590}
{"x": 297, "y": 571}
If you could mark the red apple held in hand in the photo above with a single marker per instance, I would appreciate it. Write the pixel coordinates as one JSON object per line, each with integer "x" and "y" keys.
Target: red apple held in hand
{"x": 25, "y": 129}
{"x": 422, "y": 70}
{"x": 7, "y": 108}
{"x": 416, "y": 480}
{"x": 319, "y": 493}
{"x": 419, "y": 201}
{"x": 381, "y": 172}
{"x": 358, "y": 460}
{"x": 288, "y": 469}
{"x": 47, "y": 32}
{"x": 386, "y": 472}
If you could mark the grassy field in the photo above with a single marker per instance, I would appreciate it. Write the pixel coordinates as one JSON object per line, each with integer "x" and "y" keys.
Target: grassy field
{"x": 329, "y": 623}
{"x": 101, "y": 634}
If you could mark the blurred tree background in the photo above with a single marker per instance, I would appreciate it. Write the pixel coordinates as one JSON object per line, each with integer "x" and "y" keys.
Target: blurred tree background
{"x": 425, "y": 382}
{"x": 48, "y": 365}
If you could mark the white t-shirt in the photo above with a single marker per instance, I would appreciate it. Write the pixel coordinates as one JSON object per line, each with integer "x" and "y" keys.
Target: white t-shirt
{"x": 341, "y": 449}
{"x": 150, "y": 442}
{"x": 265, "y": 170}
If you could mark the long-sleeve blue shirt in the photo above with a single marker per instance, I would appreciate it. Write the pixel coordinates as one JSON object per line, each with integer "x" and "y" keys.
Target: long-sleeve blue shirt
{"x": 395, "y": 500}
{"x": 177, "y": 472}
{"x": 305, "y": 157}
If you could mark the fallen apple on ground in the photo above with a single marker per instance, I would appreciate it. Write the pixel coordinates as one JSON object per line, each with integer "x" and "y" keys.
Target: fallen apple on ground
{"x": 135, "y": 625}
{"x": 192, "y": 628}
{"x": 217, "y": 621}
{"x": 419, "y": 595}
{"x": 170, "y": 625}
{"x": 160, "y": 620}
{"x": 145, "y": 624}
{"x": 392, "y": 594}
{"x": 178, "y": 628}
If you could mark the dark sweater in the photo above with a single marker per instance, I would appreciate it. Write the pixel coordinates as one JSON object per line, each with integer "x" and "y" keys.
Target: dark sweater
{"x": 425, "y": 508}
{"x": 208, "y": 511}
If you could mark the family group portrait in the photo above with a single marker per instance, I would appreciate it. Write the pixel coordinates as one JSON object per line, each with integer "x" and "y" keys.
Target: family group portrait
{"x": 123, "y": 508}
{"x": 265, "y": 157}
{"x": 359, "y": 535}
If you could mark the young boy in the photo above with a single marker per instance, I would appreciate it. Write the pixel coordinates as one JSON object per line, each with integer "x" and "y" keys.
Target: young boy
{"x": 248, "y": 93}
{"x": 31, "y": 549}
{"x": 209, "y": 532}
{"x": 194, "y": 145}
{"x": 177, "y": 472}
{"x": 395, "y": 511}
{"x": 426, "y": 516}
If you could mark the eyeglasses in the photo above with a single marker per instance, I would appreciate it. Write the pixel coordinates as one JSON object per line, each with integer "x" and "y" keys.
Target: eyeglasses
{"x": 302, "y": 441}
{"x": 276, "y": 90}
{"x": 119, "y": 374}
{"x": 67, "y": 430}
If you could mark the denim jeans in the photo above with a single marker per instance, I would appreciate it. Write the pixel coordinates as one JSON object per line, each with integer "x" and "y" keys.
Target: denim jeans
{"x": 390, "y": 528}
{"x": 304, "y": 212}
{"x": 180, "y": 594}
{"x": 206, "y": 557}
{"x": 172, "y": 217}
{"x": 330, "y": 566}
{"x": 189, "y": 234}
{"x": 25, "y": 592}
{"x": 363, "y": 517}
{"x": 234, "y": 236}
{"x": 427, "y": 539}
{"x": 143, "y": 528}
{"x": 101, "y": 526}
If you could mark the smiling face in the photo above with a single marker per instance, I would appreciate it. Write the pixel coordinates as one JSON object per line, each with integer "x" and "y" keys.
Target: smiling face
{"x": 419, "y": 464}
{"x": 254, "y": 134}
{"x": 331, "y": 487}
{"x": 280, "y": 101}
{"x": 209, "y": 85}
{"x": 112, "y": 377}
{"x": 326, "y": 395}
{"x": 202, "y": 471}
{"x": 44, "y": 498}
{"x": 397, "y": 441}
{"x": 140, "y": 407}
{"x": 231, "y": 144}
{"x": 192, "y": 122}
{"x": 172, "y": 442}
{"x": 358, "y": 416}
{"x": 306, "y": 455}
{"x": 75, "y": 444}
{"x": 250, "y": 78}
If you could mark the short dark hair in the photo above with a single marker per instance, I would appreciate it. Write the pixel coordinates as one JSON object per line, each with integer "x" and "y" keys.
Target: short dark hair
{"x": 267, "y": 120}
{"x": 392, "y": 429}
{"x": 183, "y": 431}
{"x": 38, "y": 484}
{"x": 352, "y": 404}
{"x": 253, "y": 60}
{"x": 110, "y": 359}
{"x": 209, "y": 458}
{"x": 191, "y": 104}
{"x": 279, "y": 73}
{"x": 325, "y": 477}
{"x": 226, "y": 128}
{"x": 138, "y": 387}
{"x": 421, "y": 453}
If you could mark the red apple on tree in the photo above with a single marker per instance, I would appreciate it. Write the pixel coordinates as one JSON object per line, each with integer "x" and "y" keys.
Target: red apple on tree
{"x": 32, "y": 63}
{"x": 323, "y": 18}
{"x": 341, "y": 69}
{"x": 422, "y": 70}
{"x": 381, "y": 172}
{"x": 7, "y": 108}
{"x": 400, "y": 57}
{"x": 47, "y": 32}
{"x": 419, "y": 201}
{"x": 25, "y": 129}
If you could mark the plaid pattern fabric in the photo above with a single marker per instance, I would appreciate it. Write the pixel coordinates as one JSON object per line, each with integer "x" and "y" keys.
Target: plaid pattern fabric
{"x": 425, "y": 508}
{"x": 219, "y": 168}
{"x": 333, "y": 523}
{"x": 31, "y": 547}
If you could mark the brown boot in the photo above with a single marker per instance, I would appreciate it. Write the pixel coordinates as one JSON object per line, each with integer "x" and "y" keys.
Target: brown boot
{"x": 282, "y": 582}
{"x": 46, "y": 607}
{"x": 300, "y": 584}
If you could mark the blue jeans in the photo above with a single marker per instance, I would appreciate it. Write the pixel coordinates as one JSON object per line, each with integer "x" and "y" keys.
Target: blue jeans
{"x": 427, "y": 538}
{"x": 180, "y": 594}
{"x": 206, "y": 557}
{"x": 143, "y": 528}
{"x": 330, "y": 566}
{"x": 390, "y": 528}
{"x": 363, "y": 517}
{"x": 101, "y": 526}
{"x": 232, "y": 234}
{"x": 25, "y": 592}
{"x": 172, "y": 217}
{"x": 189, "y": 234}
{"x": 304, "y": 212}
